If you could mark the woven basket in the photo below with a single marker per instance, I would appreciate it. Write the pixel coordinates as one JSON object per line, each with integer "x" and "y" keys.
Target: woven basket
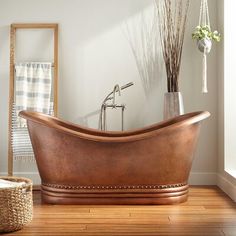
{"x": 16, "y": 205}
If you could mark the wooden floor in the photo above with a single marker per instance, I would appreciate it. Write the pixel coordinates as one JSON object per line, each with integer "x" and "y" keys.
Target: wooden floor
{"x": 207, "y": 212}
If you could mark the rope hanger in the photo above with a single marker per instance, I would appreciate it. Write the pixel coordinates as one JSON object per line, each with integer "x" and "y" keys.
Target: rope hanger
{"x": 204, "y": 18}
{"x": 205, "y": 44}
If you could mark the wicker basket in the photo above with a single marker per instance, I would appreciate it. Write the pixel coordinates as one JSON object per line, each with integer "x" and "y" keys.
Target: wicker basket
{"x": 16, "y": 205}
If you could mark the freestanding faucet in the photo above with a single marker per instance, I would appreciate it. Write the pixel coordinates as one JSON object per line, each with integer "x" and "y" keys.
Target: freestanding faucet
{"x": 105, "y": 105}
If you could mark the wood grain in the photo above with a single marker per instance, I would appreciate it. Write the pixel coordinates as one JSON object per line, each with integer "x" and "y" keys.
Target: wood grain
{"x": 34, "y": 25}
{"x": 55, "y": 90}
{"x": 11, "y": 97}
{"x": 208, "y": 212}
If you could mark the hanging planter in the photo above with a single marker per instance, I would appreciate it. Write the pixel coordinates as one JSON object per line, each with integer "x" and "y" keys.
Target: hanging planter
{"x": 204, "y": 37}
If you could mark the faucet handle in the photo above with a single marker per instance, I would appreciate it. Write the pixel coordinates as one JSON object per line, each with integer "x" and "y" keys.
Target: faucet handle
{"x": 116, "y": 89}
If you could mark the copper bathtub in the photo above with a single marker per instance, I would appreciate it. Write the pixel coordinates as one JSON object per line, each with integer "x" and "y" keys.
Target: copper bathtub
{"x": 85, "y": 166}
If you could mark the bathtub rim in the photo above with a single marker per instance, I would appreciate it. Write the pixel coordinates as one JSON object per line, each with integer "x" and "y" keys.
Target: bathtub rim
{"x": 115, "y": 136}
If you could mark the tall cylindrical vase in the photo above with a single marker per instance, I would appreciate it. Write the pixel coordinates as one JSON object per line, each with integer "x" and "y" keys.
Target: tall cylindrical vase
{"x": 173, "y": 105}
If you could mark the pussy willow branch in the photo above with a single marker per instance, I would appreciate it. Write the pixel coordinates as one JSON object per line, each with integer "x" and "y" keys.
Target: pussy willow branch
{"x": 172, "y": 15}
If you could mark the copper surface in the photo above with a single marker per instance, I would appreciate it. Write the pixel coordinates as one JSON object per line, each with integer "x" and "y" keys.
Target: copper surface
{"x": 79, "y": 165}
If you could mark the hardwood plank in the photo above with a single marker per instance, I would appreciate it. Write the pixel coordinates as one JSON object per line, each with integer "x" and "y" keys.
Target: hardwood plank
{"x": 83, "y": 215}
{"x": 90, "y": 220}
{"x": 54, "y": 211}
{"x": 117, "y": 229}
{"x": 151, "y": 229}
{"x": 150, "y": 209}
{"x": 187, "y": 213}
{"x": 202, "y": 233}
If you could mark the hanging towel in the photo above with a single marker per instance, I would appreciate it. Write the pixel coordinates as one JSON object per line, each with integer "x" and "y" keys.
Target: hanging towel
{"x": 33, "y": 82}
{"x": 20, "y": 140}
{"x": 21, "y": 145}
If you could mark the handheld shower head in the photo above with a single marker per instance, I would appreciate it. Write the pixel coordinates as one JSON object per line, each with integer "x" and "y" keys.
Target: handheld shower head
{"x": 127, "y": 85}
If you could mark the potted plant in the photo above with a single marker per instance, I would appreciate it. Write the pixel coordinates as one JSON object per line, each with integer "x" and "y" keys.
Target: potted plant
{"x": 204, "y": 37}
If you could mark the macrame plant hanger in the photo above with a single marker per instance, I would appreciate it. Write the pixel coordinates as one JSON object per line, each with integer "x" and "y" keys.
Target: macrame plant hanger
{"x": 205, "y": 44}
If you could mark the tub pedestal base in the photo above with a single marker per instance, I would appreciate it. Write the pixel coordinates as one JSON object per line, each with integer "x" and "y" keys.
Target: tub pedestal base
{"x": 104, "y": 195}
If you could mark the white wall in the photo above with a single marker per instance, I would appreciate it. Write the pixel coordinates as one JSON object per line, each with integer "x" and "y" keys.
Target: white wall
{"x": 226, "y": 108}
{"x": 205, "y": 163}
{"x": 94, "y": 56}
{"x": 229, "y": 86}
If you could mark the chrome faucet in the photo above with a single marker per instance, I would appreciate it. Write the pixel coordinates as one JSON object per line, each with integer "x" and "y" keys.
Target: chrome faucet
{"x": 105, "y": 105}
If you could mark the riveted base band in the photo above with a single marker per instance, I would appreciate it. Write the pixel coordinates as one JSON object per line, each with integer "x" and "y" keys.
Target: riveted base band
{"x": 138, "y": 194}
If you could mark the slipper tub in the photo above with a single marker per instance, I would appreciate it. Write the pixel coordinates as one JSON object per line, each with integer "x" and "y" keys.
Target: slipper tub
{"x": 79, "y": 165}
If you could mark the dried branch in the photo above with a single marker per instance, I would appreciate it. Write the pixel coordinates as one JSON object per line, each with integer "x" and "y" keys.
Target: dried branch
{"x": 172, "y": 15}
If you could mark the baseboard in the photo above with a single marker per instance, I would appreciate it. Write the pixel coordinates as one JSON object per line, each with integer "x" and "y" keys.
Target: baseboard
{"x": 196, "y": 178}
{"x": 227, "y": 186}
{"x": 203, "y": 178}
{"x": 34, "y": 176}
